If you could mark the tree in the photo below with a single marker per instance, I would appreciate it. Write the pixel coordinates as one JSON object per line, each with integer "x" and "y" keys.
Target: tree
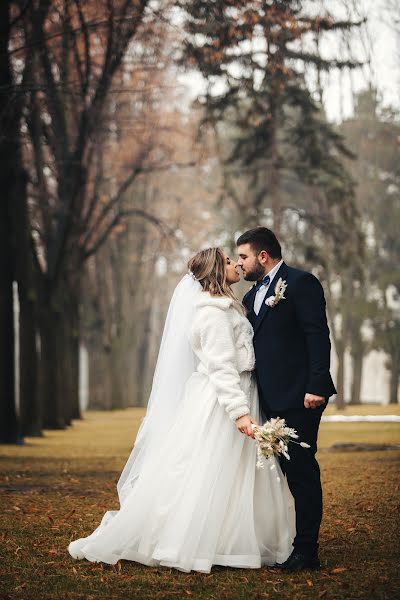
{"x": 13, "y": 231}
{"x": 373, "y": 134}
{"x": 257, "y": 53}
{"x": 71, "y": 54}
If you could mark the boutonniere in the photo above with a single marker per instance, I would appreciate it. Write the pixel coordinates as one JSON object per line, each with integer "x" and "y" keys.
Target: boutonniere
{"x": 280, "y": 289}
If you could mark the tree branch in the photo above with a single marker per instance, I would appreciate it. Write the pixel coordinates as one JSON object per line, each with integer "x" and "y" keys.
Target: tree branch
{"x": 164, "y": 229}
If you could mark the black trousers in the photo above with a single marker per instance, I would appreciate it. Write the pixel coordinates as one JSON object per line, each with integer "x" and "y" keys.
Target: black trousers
{"x": 303, "y": 476}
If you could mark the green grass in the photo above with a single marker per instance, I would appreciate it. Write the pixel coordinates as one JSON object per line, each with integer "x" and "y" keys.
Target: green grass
{"x": 56, "y": 488}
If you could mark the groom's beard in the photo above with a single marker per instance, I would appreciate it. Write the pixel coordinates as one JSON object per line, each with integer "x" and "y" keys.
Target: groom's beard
{"x": 256, "y": 273}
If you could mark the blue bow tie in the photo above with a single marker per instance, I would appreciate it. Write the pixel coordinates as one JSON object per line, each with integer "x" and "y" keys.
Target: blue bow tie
{"x": 264, "y": 281}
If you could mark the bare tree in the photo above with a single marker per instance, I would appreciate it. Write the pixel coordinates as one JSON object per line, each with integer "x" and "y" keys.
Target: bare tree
{"x": 71, "y": 55}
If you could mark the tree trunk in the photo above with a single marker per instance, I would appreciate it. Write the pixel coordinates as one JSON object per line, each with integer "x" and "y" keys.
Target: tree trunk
{"x": 29, "y": 404}
{"x": 52, "y": 338}
{"x": 9, "y": 154}
{"x": 394, "y": 379}
{"x": 357, "y": 369}
{"x": 143, "y": 355}
{"x": 340, "y": 403}
{"x": 100, "y": 387}
{"x": 59, "y": 334}
{"x": 74, "y": 358}
{"x": 274, "y": 180}
{"x": 9, "y": 431}
{"x": 70, "y": 358}
{"x": 64, "y": 367}
{"x": 30, "y": 409}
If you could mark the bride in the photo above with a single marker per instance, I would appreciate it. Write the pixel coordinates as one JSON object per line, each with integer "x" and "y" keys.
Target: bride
{"x": 190, "y": 494}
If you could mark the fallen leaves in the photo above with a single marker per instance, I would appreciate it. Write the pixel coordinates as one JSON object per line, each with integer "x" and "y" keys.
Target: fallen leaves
{"x": 41, "y": 522}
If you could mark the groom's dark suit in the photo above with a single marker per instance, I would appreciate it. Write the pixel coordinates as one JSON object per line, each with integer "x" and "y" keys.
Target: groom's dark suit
{"x": 292, "y": 348}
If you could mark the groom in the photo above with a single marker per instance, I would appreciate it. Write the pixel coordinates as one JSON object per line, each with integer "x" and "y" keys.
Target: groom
{"x": 292, "y": 348}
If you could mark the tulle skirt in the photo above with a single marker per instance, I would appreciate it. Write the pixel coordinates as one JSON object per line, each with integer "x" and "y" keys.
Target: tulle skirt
{"x": 200, "y": 501}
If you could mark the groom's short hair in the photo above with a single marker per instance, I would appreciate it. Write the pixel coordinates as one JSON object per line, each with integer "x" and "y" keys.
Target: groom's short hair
{"x": 261, "y": 238}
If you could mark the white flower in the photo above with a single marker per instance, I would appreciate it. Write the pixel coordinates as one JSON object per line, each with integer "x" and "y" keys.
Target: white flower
{"x": 273, "y": 439}
{"x": 304, "y": 445}
{"x": 280, "y": 289}
{"x": 270, "y": 301}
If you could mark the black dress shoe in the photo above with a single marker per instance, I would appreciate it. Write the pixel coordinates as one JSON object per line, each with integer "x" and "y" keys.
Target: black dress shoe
{"x": 299, "y": 562}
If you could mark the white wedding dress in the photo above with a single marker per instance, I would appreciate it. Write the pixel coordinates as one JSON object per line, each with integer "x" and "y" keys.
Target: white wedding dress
{"x": 197, "y": 498}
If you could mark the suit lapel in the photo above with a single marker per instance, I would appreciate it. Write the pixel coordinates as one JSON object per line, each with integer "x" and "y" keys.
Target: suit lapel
{"x": 264, "y": 310}
{"x": 248, "y": 301}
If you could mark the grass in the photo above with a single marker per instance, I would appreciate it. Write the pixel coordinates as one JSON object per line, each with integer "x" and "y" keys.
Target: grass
{"x": 56, "y": 488}
{"x": 364, "y": 409}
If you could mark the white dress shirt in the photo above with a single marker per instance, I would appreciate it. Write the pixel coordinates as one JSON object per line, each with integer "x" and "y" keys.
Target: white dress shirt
{"x": 262, "y": 291}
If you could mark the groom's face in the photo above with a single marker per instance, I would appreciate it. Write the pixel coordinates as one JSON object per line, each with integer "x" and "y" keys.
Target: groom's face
{"x": 248, "y": 261}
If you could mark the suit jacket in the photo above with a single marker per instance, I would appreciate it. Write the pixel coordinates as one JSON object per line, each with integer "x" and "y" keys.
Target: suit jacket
{"x": 291, "y": 342}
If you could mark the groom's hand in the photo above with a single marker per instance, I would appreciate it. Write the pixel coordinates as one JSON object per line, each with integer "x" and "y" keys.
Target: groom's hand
{"x": 243, "y": 424}
{"x": 313, "y": 401}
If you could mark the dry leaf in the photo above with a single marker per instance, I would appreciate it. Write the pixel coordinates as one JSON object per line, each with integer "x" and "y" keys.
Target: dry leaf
{"x": 339, "y": 570}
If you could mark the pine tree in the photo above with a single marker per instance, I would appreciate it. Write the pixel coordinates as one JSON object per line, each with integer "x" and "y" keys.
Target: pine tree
{"x": 257, "y": 54}
{"x": 374, "y": 133}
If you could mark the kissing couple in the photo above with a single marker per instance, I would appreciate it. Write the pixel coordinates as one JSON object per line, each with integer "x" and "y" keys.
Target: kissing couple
{"x": 190, "y": 493}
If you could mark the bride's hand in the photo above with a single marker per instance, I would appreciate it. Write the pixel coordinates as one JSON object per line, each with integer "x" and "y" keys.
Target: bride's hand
{"x": 244, "y": 424}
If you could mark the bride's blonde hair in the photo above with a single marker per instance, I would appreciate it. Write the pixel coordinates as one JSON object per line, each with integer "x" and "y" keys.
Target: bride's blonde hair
{"x": 209, "y": 268}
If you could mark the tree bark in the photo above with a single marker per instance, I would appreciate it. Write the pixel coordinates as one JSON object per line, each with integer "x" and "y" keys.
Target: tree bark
{"x": 274, "y": 178}
{"x": 9, "y": 154}
{"x": 9, "y": 430}
{"x": 52, "y": 339}
{"x": 100, "y": 387}
{"x": 30, "y": 408}
{"x": 340, "y": 402}
{"x": 74, "y": 341}
{"x": 357, "y": 369}
{"x": 394, "y": 379}
{"x": 29, "y": 404}
{"x": 69, "y": 382}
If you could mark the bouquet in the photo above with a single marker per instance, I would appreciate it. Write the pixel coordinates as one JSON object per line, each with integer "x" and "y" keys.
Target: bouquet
{"x": 273, "y": 439}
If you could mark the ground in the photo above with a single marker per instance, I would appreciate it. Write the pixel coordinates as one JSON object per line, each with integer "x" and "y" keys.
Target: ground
{"x": 56, "y": 488}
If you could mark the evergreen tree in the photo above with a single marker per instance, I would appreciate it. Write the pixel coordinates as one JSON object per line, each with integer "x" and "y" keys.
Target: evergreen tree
{"x": 373, "y": 134}
{"x": 256, "y": 53}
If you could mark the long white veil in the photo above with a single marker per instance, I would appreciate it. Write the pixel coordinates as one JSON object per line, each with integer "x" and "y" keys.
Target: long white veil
{"x": 176, "y": 362}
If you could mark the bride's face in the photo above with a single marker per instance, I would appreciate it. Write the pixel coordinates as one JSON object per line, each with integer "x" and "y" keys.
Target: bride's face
{"x": 232, "y": 274}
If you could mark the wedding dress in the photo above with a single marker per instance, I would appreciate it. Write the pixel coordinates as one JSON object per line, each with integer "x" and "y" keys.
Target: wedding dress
{"x": 190, "y": 494}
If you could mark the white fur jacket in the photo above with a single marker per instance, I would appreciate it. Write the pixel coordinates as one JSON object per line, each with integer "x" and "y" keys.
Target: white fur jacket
{"x": 222, "y": 339}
